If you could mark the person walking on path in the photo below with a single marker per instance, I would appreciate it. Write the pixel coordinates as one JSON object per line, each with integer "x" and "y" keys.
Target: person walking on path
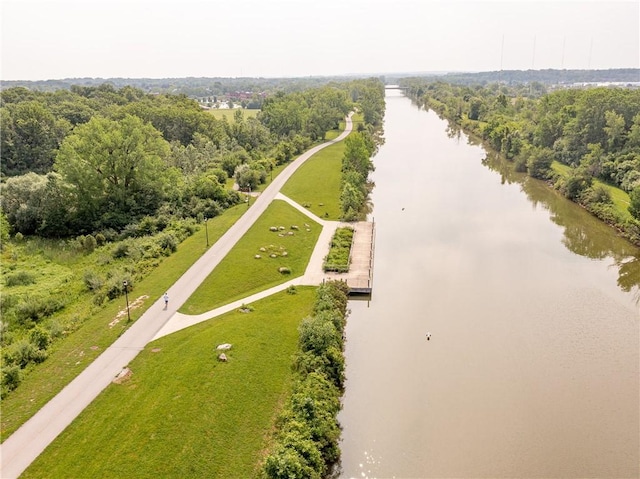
{"x": 166, "y": 300}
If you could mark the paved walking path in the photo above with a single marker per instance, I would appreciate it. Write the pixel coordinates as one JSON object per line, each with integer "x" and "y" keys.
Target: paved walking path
{"x": 23, "y": 446}
{"x": 313, "y": 276}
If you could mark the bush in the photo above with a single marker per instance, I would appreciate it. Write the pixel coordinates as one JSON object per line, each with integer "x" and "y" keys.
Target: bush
{"x": 115, "y": 287}
{"x": 35, "y": 308}
{"x": 40, "y": 337}
{"x": 23, "y": 352}
{"x": 89, "y": 244}
{"x": 11, "y": 377}
{"x": 92, "y": 280}
{"x": 100, "y": 239}
{"x": 20, "y": 278}
{"x": 168, "y": 242}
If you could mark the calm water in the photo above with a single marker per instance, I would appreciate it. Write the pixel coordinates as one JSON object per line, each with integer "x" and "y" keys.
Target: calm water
{"x": 532, "y": 369}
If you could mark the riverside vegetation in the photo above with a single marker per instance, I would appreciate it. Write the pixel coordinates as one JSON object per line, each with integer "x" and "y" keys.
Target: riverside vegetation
{"x": 585, "y": 142}
{"x": 70, "y": 352}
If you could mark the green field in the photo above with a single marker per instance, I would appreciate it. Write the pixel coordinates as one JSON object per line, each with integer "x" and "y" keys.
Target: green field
{"x": 228, "y": 113}
{"x": 240, "y": 274}
{"x": 182, "y": 413}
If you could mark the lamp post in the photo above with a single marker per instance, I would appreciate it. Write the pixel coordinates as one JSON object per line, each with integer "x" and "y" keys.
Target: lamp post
{"x": 249, "y": 197}
{"x": 126, "y": 295}
{"x": 206, "y": 230}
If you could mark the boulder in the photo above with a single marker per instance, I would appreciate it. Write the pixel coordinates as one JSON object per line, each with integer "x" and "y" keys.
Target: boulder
{"x": 223, "y": 347}
{"x": 222, "y": 357}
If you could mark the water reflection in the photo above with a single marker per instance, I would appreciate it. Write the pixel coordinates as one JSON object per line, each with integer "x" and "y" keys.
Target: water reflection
{"x": 584, "y": 234}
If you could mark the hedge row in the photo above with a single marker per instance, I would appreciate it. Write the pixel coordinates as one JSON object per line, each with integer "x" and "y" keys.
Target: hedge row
{"x": 306, "y": 445}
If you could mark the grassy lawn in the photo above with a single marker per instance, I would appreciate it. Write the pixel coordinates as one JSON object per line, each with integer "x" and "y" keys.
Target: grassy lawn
{"x": 240, "y": 274}
{"x": 619, "y": 197}
{"x": 184, "y": 414}
{"x": 227, "y": 113}
{"x": 68, "y": 357}
{"x": 317, "y": 182}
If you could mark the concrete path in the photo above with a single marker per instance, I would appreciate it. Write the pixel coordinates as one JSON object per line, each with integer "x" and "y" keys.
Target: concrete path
{"x": 23, "y": 446}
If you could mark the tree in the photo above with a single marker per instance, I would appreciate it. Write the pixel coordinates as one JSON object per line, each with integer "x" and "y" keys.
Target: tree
{"x": 30, "y": 136}
{"x": 539, "y": 163}
{"x": 634, "y": 205}
{"x": 615, "y": 129}
{"x": 117, "y": 170}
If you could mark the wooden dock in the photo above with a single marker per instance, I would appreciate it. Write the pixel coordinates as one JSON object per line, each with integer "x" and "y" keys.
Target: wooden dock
{"x": 359, "y": 278}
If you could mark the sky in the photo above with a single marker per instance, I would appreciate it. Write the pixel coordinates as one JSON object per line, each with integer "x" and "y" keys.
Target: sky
{"x": 56, "y": 39}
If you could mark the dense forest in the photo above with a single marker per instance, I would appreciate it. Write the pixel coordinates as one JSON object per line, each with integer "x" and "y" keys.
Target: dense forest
{"x": 586, "y": 142}
{"x": 129, "y": 175}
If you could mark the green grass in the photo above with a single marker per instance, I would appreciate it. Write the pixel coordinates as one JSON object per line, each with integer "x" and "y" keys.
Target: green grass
{"x": 619, "y": 197}
{"x": 240, "y": 274}
{"x": 68, "y": 357}
{"x": 316, "y": 184}
{"x": 227, "y": 113}
{"x": 184, "y": 414}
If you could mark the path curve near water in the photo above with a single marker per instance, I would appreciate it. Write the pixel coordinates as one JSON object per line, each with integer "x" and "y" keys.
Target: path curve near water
{"x": 23, "y": 446}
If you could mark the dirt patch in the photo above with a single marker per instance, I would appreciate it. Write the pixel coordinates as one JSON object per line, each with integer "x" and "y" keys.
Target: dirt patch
{"x": 123, "y": 312}
{"x": 156, "y": 350}
{"x": 123, "y": 376}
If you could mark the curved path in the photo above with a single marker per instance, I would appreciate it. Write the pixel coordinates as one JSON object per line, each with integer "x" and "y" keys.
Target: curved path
{"x": 23, "y": 446}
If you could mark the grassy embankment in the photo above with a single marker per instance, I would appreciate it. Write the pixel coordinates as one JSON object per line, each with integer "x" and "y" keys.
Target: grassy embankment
{"x": 619, "y": 197}
{"x": 323, "y": 169}
{"x": 184, "y": 414}
{"x": 69, "y": 356}
{"x": 226, "y": 442}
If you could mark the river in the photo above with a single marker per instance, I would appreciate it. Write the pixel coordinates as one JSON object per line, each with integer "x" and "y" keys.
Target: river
{"x": 532, "y": 368}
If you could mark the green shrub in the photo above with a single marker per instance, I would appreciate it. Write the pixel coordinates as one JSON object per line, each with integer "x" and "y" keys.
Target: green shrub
{"x": 89, "y": 244}
{"x": 11, "y": 377}
{"x": 168, "y": 243}
{"x": 92, "y": 280}
{"x": 100, "y": 239}
{"x": 40, "y": 337}
{"x": 23, "y": 352}
{"x": 35, "y": 308}
{"x": 20, "y": 278}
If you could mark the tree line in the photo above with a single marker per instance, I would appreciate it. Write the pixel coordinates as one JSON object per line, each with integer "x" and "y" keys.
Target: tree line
{"x": 594, "y": 133}
{"x": 89, "y": 159}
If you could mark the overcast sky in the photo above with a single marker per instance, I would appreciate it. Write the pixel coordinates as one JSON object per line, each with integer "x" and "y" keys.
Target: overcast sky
{"x": 53, "y": 39}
